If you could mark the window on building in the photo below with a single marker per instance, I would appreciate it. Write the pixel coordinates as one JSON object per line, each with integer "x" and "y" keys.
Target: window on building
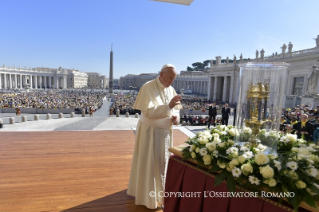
{"x": 297, "y": 86}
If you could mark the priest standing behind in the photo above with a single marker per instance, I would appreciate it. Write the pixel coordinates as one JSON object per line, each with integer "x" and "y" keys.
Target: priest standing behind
{"x": 159, "y": 105}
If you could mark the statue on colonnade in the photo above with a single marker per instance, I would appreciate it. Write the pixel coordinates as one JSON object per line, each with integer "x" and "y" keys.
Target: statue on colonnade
{"x": 317, "y": 40}
{"x": 283, "y": 49}
{"x": 257, "y": 54}
{"x": 290, "y": 47}
{"x": 313, "y": 80}
{"x": 262, "y": 54}
{"x": 227, "y": 59}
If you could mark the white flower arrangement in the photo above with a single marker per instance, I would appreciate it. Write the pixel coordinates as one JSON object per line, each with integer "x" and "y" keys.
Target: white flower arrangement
{"x": 295, "y": 169}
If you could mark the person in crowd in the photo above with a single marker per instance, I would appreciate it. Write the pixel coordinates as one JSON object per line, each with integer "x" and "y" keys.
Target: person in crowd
{"x": 303, "y": 129}
{"x": 225, "y": 114}
{"x": 212, "y": 112}
{"x": 159, "y": 105}
{"x": 111, "y": 111}
{"x": 91, "y": 111}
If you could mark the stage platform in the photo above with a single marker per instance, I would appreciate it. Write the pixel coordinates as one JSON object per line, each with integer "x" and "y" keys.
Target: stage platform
{"x": 68, "y": 171}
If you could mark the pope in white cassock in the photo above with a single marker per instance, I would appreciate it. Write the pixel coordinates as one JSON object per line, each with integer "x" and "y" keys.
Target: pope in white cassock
{"x": 159, "y": 105}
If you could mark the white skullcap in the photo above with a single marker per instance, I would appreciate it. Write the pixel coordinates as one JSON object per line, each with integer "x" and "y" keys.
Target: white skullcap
{"x": 167, "y": 66}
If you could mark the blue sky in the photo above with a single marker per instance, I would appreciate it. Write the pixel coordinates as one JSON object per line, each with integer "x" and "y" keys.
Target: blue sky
{"x": 147, "y": 34}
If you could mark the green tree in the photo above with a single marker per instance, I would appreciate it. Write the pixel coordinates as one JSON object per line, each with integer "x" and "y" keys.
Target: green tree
{"x": 198, "y": 66}
{"x": 189, "y": 68}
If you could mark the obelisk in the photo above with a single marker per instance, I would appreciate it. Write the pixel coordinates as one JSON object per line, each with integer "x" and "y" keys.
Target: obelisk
{"x": 111, "y": 72}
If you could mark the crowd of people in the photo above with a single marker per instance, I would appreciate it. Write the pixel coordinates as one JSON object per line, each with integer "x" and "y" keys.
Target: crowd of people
{"x": 124, "y": 103}
{"x": 302, "y": 120}
{"x": 53, "y": 99}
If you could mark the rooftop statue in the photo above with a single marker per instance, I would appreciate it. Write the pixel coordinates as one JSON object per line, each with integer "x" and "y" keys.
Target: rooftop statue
{"x": 262, "y": 53}
{"x": 227, "y": 60}
{"x": 290, "y": 47}
{"x": 313, "y": 81}
{"x": 257, "y": 53}
{"x": 283, "y": 48}
{"x": 317, "y": 40}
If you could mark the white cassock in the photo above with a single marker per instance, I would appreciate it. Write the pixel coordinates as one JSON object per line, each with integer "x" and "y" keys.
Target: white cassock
{"x": 153, "y": 138}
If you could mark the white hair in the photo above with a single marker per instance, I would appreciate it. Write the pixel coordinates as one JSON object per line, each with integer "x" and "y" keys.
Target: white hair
{"x": 164, "y": 68}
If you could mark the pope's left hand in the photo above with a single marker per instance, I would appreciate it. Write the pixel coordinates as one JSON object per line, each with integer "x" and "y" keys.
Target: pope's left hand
{"x": 175, "y": 120}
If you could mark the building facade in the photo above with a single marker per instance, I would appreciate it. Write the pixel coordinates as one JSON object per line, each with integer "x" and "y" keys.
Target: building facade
{"x": 96, "y": 80}
{"x": 192, "y": 82}
{"x": 224, "y": 77}
{"x": 41, "y": 77}
{"x": 135, "y": 82}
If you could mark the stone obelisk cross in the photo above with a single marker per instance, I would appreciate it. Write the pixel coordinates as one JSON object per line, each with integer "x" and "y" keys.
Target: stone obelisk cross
{"x": 111, "y": 72}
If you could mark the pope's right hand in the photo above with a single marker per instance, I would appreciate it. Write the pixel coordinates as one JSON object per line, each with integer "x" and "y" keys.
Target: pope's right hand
{"x": 175, "y": 101}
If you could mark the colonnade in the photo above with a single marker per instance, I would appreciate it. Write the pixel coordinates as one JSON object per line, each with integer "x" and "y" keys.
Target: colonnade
{"x": 19, "y": 81}
{"x": 199, "y": 87}
{"x": 221, "y": 88}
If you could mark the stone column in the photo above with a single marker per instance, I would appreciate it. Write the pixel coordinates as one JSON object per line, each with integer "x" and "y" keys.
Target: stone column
{"x": 0, "y": 80}
{"x": 225, "y": 89}
{"x": 50, "y": 81}
{"x": 30, "y": 81}
{"x": 231, "y": 89}
{"x": 36, "y": 82}
{"x": 5, "y": 81}
{"x": 40, "y": 81}
{"x": 215, "y": 89}
{"x": 25, "y": 81}
{"x": 15, "y": 81}
{"x": 10, "y": 81}
{"x": 56, "y": 82}
{"x": 21, "y": 81}
{"x": 65, "y": 82}
{"x": 45, "y": 82}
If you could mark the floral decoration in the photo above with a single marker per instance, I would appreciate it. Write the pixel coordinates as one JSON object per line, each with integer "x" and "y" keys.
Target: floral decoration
{"x": 295, "y": 169}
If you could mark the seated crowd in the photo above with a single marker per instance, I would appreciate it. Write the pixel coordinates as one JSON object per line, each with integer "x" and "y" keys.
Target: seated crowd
{"x": 53, "y": 99}
{"x": 301, "y": 120}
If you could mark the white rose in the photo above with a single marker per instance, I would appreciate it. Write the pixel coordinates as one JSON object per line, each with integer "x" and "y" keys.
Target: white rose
{"x": 221, "y": 164}
{"x": 247, "y": 130}
{"x": 266, "y": 171}
{"x": 272, "y": 182}
{"x": 215, "y": 135}
{"x": 241, "y": 159}
{"x": 202, "y": 140}
{"x": 292, "y": 137}
{"x": 232, "y": 132}
{"x": 210, "y": 147}
{"x": 197, "y": 150}
{"x": 231, "y": 142}
{"x": 300, "y": 184}
{"x": 234, "y": 162}
{"x": 217, "y": 140}
{"x": 221, "y": 145}
{"x": 304, "y": 151}
{"x": 193, "y": 154}
{"x": 230, "y": 167}
{"x": 207, "y": 159}
{"x": 261, "y": 158}
{"x": 294, "y": 149}
{"x": 192, "y": 147}
{"x": 314, "y": 158}
{"x": 247, "y": 168}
